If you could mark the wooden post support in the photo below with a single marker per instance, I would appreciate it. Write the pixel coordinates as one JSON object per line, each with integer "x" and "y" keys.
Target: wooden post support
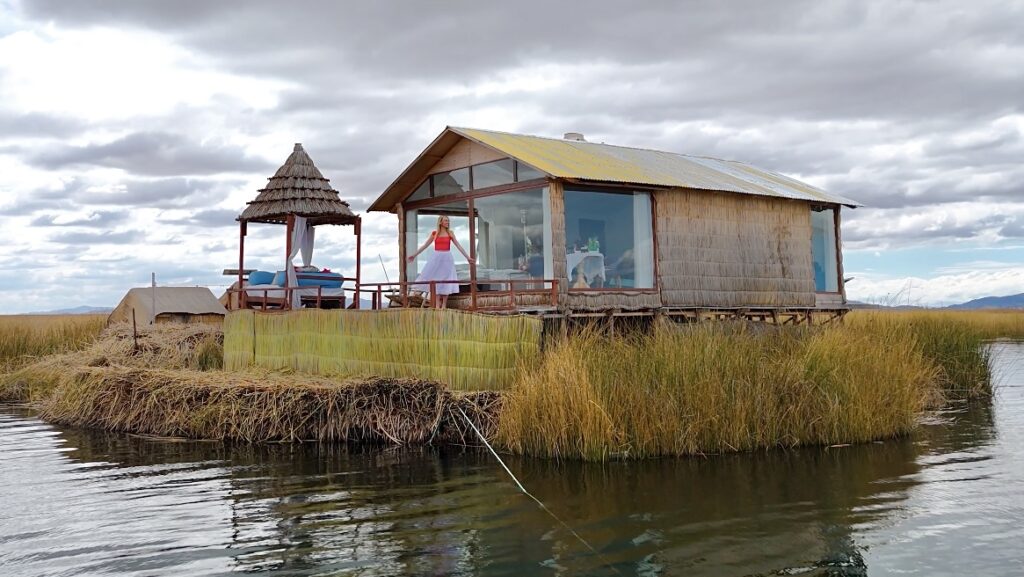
{"x": 242, "y": 230}
{"x": 359, "y": 257}
{"x": 289, "y": 226}
{"x": 472, "y": 254}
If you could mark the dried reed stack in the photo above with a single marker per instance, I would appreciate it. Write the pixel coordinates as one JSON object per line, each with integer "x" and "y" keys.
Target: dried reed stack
{"x": 266, "y": 407}
{"x": 464, "y": 351}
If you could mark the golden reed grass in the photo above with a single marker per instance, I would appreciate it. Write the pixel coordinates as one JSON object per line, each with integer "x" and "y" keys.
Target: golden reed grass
{"x": 24, "y": 338}
{"x": 954, "y": 340}
{"x": 716, "y": 388}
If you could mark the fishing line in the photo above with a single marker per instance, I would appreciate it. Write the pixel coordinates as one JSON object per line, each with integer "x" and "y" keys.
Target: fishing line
{"x": 528, "y": 494}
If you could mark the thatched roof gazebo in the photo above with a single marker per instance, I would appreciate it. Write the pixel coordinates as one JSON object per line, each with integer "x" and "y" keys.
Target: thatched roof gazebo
{"x": 299, "y": 197}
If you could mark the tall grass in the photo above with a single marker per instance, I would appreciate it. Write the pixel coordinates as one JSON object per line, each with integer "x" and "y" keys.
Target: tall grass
{"x": 24, "y": 338}
{"x": 954, "y": 340}
{"x": 715, "y": 388}
{"x": 985, "y": 324}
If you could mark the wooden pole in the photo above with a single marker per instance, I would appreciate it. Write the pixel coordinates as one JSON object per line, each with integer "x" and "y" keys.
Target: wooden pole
{"x": 152, "y": 313}
{"x": 242, "y": 230}
{"x": 472, "y": 255}
{"x": 402, "y": 254}
{"x": 289, "y": 225}
{"x": 359, "y": 256}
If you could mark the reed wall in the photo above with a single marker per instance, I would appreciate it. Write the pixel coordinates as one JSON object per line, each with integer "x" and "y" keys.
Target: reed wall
{"x": 728, "y": 250}
{"x": 464, "y": 350}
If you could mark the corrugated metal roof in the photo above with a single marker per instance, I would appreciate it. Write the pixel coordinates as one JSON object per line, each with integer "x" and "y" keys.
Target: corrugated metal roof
{"x": 608, "y": 163}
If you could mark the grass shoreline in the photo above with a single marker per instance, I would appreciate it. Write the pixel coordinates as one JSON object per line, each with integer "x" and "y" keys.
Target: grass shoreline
{"x": 675, "y": 391}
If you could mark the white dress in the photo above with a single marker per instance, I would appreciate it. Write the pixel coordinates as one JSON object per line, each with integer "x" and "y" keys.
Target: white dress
{"x": 440, "y": 267}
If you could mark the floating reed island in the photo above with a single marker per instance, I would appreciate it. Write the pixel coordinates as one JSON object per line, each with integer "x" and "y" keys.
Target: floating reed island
{"x": 581, "y": 330}
{"x": 676, "y": 389}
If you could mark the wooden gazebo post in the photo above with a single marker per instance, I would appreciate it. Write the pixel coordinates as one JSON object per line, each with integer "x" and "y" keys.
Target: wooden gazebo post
{"x": 242, "y": 230}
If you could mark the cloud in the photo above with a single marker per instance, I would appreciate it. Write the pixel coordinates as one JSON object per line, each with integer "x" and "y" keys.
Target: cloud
{"x": 212, "y": 218}
{"x": 912, "y": 108}
{"x": 152, "y": 154}
{"x": 953, "y": 287}
{"x": 97, "y": 238}
{"x": 37, "y": 125}
{"x": 103, "y": 219}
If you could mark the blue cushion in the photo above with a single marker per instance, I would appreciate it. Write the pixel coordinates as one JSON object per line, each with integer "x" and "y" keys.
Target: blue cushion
{"x": 324, "y": 279}
{"x": 261, "y": 277}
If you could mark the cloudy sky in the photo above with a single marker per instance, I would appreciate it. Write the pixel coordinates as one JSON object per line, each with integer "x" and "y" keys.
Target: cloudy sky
{"x": 133, "y": 132}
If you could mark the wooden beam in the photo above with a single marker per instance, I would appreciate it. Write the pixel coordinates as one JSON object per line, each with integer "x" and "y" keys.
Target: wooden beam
{"x": 289, "y": 226}
{"x": 242, "y": 230}
{"x": 359, "y": 257}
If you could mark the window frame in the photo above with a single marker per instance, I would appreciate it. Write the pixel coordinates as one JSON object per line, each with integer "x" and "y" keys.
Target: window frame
{"x": 656, "y": 288}
{"x": 839, "y": 255}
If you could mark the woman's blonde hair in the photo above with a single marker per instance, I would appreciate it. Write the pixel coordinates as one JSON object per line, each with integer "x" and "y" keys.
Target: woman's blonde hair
{"x": 438, "y": 228}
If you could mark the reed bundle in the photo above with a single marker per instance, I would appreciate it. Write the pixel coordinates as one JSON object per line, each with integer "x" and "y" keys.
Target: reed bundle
{"x": 465, "y": 351}
{"x": 265, "y": 406}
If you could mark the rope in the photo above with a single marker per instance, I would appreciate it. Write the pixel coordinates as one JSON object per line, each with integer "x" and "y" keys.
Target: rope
{"x": 528, "y": 494}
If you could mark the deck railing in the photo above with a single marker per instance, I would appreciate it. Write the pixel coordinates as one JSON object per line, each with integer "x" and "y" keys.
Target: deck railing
{"x": 408, "y": 293}
{"x": 404, "y": 294}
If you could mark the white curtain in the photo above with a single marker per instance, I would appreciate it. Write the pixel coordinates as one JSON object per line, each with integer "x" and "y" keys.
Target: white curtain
{"x": 307, "y": 245}
{"x": 643, "y": 241}
{"x": 299, "y": 243}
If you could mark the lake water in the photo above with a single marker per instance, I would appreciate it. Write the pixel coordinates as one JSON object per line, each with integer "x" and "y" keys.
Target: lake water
{"x": 947, "y": 501}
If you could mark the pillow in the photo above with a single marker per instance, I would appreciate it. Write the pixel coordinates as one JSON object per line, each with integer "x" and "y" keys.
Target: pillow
{"x": 261, "y": 277}
{"x": 278, "y": 278}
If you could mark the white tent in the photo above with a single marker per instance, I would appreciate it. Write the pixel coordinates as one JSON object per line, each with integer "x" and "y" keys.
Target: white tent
{"x": 168, "y": 304}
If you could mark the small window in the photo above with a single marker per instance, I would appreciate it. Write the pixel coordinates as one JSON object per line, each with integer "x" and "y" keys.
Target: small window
{"x": 824, "y": 251}
{"x": 421, "y": 193}
{"x": 452, "y": 182}
{"x": 525, "y": 172}
{"x": 493, "y": 174}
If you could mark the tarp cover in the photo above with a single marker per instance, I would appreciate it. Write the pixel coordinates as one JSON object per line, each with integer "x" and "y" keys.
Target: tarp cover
{"x": 178, "y": 300}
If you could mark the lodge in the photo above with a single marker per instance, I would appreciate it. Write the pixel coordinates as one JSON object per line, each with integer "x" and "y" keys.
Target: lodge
{"x": 568, "y": 226}
{"x": 565, "y": 227}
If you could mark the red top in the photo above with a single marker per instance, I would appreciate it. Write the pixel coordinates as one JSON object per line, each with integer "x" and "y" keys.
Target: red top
{"x": 442, "y": 243}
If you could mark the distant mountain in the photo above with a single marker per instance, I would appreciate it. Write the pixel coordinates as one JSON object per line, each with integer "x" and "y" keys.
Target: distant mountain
{"x": 1007, "y": 302}
{"x": 82, "y": 310}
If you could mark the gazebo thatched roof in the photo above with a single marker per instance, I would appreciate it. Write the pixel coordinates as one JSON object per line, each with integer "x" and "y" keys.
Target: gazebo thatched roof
{"x": 300, "y": 189}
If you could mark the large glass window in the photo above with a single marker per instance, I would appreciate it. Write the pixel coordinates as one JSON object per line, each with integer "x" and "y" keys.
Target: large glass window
{"x": 513, "y": 238}
{"x": 609, "y": 240}
{"x": 524, "y": 172}
{"x": 419, "y": 223}
{"x": 451, "y": 182}
{"x": 493, "y": 173}
{"x": 421, "y": 193}
{"x": 824, "y": 250}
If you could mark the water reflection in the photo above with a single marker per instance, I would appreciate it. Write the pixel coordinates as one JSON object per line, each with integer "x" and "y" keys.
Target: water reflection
{"x": 86, "y": 502}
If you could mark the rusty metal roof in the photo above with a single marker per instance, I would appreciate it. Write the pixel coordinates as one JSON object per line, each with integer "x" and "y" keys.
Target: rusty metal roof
{"x": 594, "y": 162}
{"x": 608, "y": 163}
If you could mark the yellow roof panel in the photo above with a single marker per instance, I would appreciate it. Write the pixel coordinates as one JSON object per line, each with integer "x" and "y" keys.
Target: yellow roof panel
{"x": 608, "y": 163}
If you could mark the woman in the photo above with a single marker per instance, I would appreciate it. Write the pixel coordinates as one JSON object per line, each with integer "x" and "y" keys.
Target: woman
{"x": 441, "y": 266}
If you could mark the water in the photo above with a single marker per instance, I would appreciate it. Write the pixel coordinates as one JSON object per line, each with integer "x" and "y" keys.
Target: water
{"x": 948, "y": 501}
